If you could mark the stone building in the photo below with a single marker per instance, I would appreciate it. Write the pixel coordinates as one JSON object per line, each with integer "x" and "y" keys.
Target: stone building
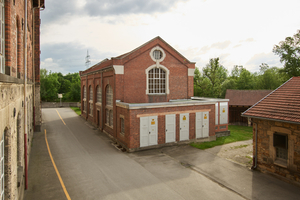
{"x": 20, "y": 113}
{"x": 276, "y": 128}
{"x": 142, "y": 99}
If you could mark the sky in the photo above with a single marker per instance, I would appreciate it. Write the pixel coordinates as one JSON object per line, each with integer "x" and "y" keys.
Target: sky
{"x": 239, "y": 32}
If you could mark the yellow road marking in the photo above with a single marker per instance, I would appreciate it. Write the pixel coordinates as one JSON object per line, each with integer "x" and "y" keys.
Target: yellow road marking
{"x": 60, "y": 117}
{"x": 59, "y": 177}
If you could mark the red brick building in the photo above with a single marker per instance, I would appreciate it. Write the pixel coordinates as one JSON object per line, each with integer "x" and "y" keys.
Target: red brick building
{"x": 276, "y": 128}
{"x": 240, "y": 101}
{"x": 143, "y": 98}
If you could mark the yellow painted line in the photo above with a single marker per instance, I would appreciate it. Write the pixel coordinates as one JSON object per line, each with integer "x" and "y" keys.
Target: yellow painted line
{"x": 60, "y": 117}
{"x": 57, "y": 172}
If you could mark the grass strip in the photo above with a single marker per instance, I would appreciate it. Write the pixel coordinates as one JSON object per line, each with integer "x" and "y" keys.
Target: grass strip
{"x": 237, "y": 133}
{"x": 77, "y": 110}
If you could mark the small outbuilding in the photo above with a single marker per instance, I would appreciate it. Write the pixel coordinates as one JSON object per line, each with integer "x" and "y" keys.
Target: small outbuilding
{"x": 276, "y": 128}
{"x": 240, "y": 101}
{"x": 143, "y": 99}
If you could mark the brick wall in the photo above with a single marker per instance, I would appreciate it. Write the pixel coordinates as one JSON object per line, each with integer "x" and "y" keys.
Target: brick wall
{"x": 134, "y": 141}
{"x": 266, "y": 159}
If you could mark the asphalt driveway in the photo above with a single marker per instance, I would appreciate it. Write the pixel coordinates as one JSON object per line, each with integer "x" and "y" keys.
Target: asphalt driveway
{"x": 92, "y": 168}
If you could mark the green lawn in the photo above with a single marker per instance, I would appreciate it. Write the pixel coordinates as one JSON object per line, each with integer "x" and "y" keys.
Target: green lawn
{"x": 77, "y": 110}
{"x": 237, "y": 133}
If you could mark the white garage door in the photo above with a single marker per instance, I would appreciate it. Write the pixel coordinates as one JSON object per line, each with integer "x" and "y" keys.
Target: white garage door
{"x": 170, "y": 128}
{"x": 202, "y": 124}
{"x": 184, "y": 127}
{"x": 148, "y": 131}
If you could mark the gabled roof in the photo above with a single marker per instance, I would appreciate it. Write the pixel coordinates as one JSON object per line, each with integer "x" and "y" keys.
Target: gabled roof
{"x": 245, "y": 97}
{"x": 283, "y": 104}
{"x": 130, "y": 55}
{"x": 156, "y": 38}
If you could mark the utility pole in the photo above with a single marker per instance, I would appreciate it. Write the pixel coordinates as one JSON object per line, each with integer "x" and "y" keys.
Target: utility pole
{"x": 87, "y": 60}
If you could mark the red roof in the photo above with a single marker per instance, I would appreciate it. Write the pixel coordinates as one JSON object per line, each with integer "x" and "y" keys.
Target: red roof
{"x": 282, "y": 104}
{"x": 245, "y": 97}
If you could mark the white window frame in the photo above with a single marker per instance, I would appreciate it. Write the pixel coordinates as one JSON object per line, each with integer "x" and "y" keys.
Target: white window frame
{"x": 167, "y": 72}
{"x": 159, "y": 49}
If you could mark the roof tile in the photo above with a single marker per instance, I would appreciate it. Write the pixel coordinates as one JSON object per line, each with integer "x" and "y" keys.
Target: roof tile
{"x": 282, "y": 104}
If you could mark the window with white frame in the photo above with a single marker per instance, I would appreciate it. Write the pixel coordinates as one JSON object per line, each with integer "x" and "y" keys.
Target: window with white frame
{"x": 157, "y": 81}
{"x": 91, "y": 100}
{"x": 280, "y": 142}
{"x": 109, "y": 106}
{"x": 157, "y": 74}
{"x": 2, "y": 167}
{"x": 99, "y": 94}
{"x": 2, "y": 37}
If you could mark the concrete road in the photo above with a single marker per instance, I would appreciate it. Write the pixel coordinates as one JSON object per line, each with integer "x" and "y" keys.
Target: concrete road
{"x": 92, "y": 168}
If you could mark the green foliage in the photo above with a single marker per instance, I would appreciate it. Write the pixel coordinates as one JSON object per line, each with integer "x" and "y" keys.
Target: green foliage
{"x": 49, "y": 85}
{"x": 56, "y": 83}
{"x": 213, "y": 82}
{"x": 289, "y": 53}
{"x": 209, "y": 84}
{"x": 77, "y": 110}
{"x": 237, "y": 133}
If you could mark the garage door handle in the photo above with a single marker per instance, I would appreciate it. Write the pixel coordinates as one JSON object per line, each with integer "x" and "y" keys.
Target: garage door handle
{"x": 180, "y": 128}
{"x": 149, "y": 132}
{"x": 202, "y": 125}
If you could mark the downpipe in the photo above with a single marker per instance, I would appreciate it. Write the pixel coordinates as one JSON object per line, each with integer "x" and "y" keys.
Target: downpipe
{"x": 254, "y": 164}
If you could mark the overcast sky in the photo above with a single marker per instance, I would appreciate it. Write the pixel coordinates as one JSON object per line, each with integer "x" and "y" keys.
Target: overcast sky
{"x": 240, "y": 32}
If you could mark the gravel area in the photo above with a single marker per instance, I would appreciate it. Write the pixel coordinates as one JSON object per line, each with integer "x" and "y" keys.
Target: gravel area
{"x": 238, "y": 152}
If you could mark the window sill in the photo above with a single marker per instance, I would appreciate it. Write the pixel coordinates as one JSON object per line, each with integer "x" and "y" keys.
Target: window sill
{"x": 158, "y": 94}
{"x": 109, "y": 126}
{"x": 281, "y": 163}
{"x": 98, "y": 104}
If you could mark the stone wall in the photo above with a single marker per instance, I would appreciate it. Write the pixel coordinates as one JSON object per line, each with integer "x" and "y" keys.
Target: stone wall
{"x": 267, "y": 160}
{"x": 12, "y": 127}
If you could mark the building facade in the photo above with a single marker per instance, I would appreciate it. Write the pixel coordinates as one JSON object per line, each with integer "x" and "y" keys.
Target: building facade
{"x": 276, "y": 128}
{"x": 142, "y": 99}
{"x": 20, "y": 113}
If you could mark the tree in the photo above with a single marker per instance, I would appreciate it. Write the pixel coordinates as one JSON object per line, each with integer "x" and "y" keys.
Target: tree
{"x": 49, "y": 85}
{"x": 216, "y": 74}
{"x": 289, "y": 53}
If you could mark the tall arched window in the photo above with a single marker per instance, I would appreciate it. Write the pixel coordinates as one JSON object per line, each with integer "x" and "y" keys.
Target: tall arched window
{"x": 99, "y": 94}
{"x": 157, "y": 81}
{"x": 91, "y": 100}
{"x": 109, "y": 106}
{"x": 84, "y": 99}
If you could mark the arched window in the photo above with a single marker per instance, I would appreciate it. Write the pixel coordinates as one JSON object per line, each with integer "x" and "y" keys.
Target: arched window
{"x": 109, "y": 106}
{"x": 91, "y": 100}
{"x": 157, "y": 81}
{"x": 84, "y": 99}
{"x": 99, "y": 94}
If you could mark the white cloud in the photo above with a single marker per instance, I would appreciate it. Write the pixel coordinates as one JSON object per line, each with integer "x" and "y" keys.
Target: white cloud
{"x": 236, "y": 31}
